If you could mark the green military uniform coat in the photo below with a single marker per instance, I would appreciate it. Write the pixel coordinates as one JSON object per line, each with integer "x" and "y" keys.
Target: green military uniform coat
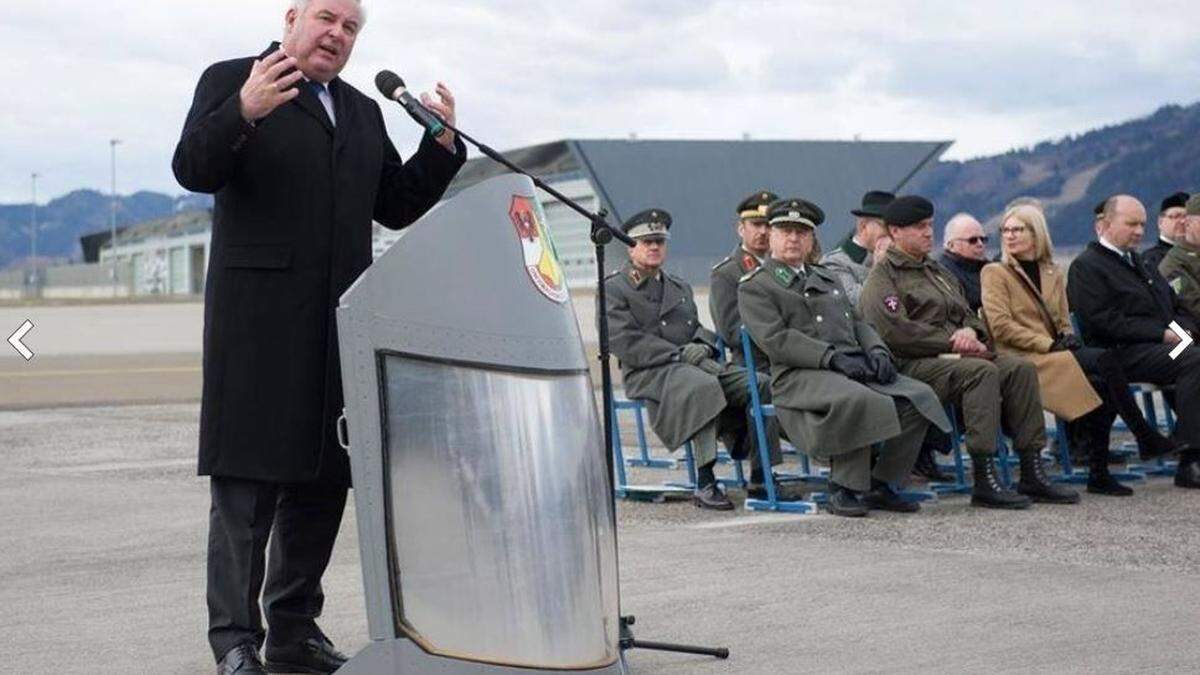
{"x": 916, "y": 305}
{"x": 1181, "y": 268}
{"x": 646, "y": 338}
{"x": 723, "y": 305}
{"x": 800, "y": 323}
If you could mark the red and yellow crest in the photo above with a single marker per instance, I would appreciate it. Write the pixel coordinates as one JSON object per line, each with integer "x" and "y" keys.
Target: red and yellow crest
{"x": 541, "y": 260}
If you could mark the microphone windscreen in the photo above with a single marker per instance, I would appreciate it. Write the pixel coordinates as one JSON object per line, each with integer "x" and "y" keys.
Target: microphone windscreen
{"x": 388, "y": 82}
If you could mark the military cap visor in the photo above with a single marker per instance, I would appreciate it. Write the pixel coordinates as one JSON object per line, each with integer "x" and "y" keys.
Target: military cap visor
{"x": 1179, "y": 199}
{"x": 907, "y": 211}
{"x": 756, "y": 206}
{"x": 795, "y": 212}
{"x": 649, "y": 223}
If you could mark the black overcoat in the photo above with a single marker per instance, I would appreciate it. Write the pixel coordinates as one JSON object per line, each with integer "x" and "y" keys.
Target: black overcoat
{"x": 1117, "y": 304}
{"x": 295, "y": 198}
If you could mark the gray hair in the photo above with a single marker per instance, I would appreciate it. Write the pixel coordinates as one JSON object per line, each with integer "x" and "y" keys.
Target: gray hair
{"x": 301, "y": 5}
{"x": 954, "y": 225}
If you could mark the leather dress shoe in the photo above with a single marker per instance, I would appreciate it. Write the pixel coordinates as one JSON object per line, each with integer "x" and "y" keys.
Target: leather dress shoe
{"x": 1156, "y": 445}
{"x": 883, "y": 498}
{"x": 313, "y": 655}
{"x": 711, "y": 497}
{"x": 1188, "y": 475}
{"x": 845, "y": 502}
{"x": 241, "y": 660}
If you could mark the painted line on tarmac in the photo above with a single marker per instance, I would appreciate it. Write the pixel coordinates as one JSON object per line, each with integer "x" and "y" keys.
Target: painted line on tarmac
{"x": 99, "y": 371}
{"x": 116, "y": 466}
{"x": 749, "y": 521}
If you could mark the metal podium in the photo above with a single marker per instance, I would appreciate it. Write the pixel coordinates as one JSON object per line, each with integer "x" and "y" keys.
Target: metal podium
{"x": 480, "y": 486}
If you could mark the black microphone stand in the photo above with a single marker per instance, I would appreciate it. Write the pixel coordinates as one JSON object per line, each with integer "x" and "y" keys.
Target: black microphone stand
{"x": 602, "y": 233}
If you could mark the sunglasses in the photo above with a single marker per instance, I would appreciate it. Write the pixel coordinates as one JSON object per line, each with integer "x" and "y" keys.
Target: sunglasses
{"x": 981, "y": 239}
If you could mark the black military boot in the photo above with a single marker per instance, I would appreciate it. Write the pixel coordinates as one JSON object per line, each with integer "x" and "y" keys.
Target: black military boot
{"x": 883, "y": 498}
{"x": 986, "y": 491}
{"x": 845, "y": 502}
{"x": 1035, "y": 485}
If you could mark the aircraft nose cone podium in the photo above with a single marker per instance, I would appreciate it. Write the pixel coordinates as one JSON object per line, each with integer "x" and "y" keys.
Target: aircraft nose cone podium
{"x": 480, "y": 485}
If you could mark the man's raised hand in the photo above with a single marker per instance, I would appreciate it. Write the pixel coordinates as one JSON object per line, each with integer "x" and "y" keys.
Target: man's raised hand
{"x": 268, "y": 87}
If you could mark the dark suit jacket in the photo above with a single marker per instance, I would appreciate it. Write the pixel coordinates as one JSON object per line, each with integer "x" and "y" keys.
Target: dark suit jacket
{"x": 295, "y": 198}
{"x": 1154, "y": 255}
{"x": 1119, "y": 305}
{"x": 968, "y": 272}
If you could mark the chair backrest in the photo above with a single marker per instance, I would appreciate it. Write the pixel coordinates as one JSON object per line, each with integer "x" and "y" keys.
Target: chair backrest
{"x": 747, "y": 349}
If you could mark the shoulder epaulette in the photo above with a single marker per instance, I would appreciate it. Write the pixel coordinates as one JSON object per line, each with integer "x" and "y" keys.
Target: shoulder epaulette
{"x": 749, "y": 275}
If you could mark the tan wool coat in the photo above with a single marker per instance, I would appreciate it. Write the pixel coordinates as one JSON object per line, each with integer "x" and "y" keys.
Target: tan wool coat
{"x": 1020, "y": 326}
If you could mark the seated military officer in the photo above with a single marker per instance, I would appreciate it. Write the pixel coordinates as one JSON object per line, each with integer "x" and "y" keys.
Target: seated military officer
{"x": 834, "y": 384}
{"x": 919, "y": 309}
{"x": 1181, "y": 264}
{"x": 668, "y": 359}
{"x": 753, "y": 246}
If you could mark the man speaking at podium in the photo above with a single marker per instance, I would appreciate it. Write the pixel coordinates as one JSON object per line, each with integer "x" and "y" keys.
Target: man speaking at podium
{"x": 300, "y": 163}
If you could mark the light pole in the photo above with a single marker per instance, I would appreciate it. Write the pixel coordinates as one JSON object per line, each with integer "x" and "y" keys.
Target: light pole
{"x": 112, "y": 216}
{"x": 33, "y": 231}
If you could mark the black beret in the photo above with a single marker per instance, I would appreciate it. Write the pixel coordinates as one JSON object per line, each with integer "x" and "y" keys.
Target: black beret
{"x": 795, "y": 211}
{"x": 654, "y": 222}
{"x": 756, "y": 205}
{"x": 908, "y": 210}
{"x": 1178, "y": 199}
{"x": 873, "y": 204}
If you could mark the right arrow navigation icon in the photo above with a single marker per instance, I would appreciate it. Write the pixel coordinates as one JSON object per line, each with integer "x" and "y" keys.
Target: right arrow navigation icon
{"x": 1185, "y": 340}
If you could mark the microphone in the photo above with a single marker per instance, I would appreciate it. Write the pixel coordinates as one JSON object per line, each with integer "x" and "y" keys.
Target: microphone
{"x": 392, "y": 86}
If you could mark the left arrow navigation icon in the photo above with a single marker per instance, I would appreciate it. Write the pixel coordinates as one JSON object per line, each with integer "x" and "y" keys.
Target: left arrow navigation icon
{"x": 15, "y": 340}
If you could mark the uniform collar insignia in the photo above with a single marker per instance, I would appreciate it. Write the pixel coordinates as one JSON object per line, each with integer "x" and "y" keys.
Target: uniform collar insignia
{"x": 783, "y": 275}
{"x": 635, "y": 277}
{"x": 749, "y": 262}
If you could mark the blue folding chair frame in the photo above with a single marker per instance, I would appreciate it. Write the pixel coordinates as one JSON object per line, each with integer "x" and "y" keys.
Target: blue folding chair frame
{"x": 1067, "y": 472}
{"x": 1160, "y": 466}
{"x": 960, "y": 484}
{"x": 759, "y": 411}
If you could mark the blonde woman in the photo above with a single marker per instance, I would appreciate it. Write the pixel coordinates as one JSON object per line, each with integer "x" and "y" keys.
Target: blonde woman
{"x": 1025, "y": 303}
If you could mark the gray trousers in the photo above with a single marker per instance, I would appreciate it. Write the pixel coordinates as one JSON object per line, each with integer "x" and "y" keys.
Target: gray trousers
{"x": 735, "y": 383}
{"x": 896, "y": 456}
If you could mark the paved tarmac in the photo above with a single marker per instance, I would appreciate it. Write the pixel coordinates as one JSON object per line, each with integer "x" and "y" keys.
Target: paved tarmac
{"x": 102, "y": 571}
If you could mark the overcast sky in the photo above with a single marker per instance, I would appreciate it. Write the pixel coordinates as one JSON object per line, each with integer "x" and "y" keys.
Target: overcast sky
{"x": 990, "y": 76}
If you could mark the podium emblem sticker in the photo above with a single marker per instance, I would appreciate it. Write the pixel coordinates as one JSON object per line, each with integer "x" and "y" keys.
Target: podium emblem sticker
{"x": 541, "y": 260}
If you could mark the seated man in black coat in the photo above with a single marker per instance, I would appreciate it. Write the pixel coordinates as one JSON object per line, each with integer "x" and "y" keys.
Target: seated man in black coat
{"x": 1127, "y": 307}
{"x": 966, "y": 254}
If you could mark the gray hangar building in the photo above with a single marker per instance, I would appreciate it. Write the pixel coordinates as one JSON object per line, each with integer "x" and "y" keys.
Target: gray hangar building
{"x": 700, "y": 183}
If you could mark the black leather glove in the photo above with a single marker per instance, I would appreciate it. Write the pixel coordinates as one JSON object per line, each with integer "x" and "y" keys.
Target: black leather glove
{"x": 884, "y": 367}
{"x": 694, "y": 353}
{"x": 855, "y": 367}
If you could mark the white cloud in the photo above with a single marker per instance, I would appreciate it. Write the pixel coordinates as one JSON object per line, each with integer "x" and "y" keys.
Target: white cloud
{"x": 990, "y": 76}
